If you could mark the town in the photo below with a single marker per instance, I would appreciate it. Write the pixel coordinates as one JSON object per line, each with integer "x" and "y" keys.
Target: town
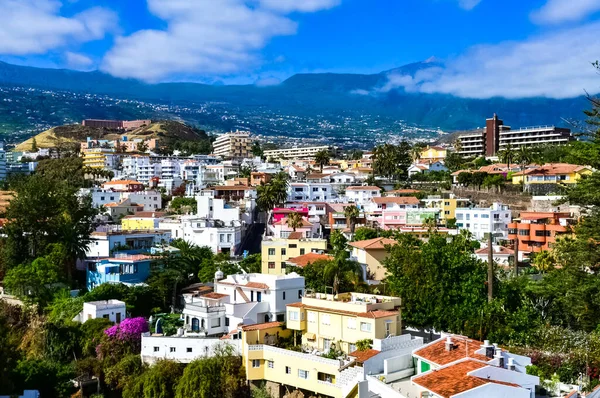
{"x": 411, "y": 270}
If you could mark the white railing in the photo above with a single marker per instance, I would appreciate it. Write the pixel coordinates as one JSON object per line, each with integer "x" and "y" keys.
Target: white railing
{"x": 294, "y": 354}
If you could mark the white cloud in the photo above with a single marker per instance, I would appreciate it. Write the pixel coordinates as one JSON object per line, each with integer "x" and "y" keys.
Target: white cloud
{"x": 468, "y": 4}
{"x": 267, "y": 81}
{"x": 78, "y": 61}
{"x": 287, "y": 6}
{"x": 202, "y": 37}
{"x": 35, "y": 26}
{"x": 558, "y": 11}
{"x": 555, "y": 65}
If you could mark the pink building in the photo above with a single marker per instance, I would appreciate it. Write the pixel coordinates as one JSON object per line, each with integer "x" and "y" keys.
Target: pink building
{"x": 280, "y": 213}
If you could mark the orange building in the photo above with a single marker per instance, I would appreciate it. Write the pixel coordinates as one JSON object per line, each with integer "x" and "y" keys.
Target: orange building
{"x": 537, "y": 231}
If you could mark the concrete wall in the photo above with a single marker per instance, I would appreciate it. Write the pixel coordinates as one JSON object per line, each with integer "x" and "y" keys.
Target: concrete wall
{"x": 181, "y": 349}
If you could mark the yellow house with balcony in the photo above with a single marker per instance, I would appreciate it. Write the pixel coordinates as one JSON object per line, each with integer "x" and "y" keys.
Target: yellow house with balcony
{"x": 551, "y": 173}
{"x": 434, "y": 153}
{"x": 327, "y": 321}
{"x": 276, "y": 252}
{"x": 94, "y": 159}
{"x": 447, "y": 206}
{"x": 142, "y": 220}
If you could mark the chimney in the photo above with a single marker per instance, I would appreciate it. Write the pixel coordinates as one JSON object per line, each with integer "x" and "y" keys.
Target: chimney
{"x": 449, "y": 344}
{"x": 511, "y": 364}
{"x": 499, "y": 357}
{"x": 489, "y": 349}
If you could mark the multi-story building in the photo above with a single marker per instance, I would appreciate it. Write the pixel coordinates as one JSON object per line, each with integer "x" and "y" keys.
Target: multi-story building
{"x": 344, "y": 319}
{"x": 141, "y": 221}
{"x": 433, "y": 154}
{"x": 113, "y": 310}
{"x": 129, "y": 269}
{"x": 395, "y": 218}
{"x": 551, "y": 173}
{"x": 496, "y": 137}
{"x": 100, "y": 158}
{"x": 447, "y": 206}
{"x": 311, "y": 191}
{"x": 300, "y": 153}
{"x": 150, "y": 200}
{"x": 242, "y": 299}
{"x": 140, "y": 168}
{"x": 370, "y": 254}
{"x": 275, "y": 252}
{"x": 362, "y": 194}
{"x": 537, "y": 231}
{"x": 234, "y": 145}
{"x": 483, "y": 221}
{"x": 109, "y": 239}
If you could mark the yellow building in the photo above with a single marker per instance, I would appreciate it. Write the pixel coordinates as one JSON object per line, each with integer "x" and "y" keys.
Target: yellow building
{"x": 551, "y": 173}
{"x": 143, "y": 220}
{"x": 327, "y": 321}
{"x": 276, "y": 251}
{"x": 371, "y": 253}
{"x": 95, "y": 159}
{"x": 447, "y": 206}
{"x": 434, "y": 153}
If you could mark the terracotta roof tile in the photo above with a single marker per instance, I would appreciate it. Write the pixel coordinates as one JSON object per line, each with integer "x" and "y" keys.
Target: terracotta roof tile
{"x": 497, "y": 250}
{"x": 261, "y": 326}
{"x": 295, "y": 235}
{"x": 436, "y": 352}
{"x": 552, "y": 169}
{"x": 362, "y": 356}
{"x": 373, "y": 244}
{"x": 214, "y": 295}
{"x": 305, "y": 259}
{"x": 256, "y": 285}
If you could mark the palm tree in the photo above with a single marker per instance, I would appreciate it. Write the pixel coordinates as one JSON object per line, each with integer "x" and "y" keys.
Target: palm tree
{"x": 272, "y": 194}
{"x": 294, "y": 220}
{"x": 415, "y": 152}
{"x": 507, "y": 155}
{"x": 322, "y": 158}
{"x": 524, "y": 157}
{"x": 341, "y": 268}
{"x": 352, "y": 213}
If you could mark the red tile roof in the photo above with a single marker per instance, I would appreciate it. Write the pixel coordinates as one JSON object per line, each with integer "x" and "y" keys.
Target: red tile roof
{"x": 261, "y": 326}
{"x": 452, "y": 380}
{"x": 308, "y": 258}
{"x": 147, "y": 214}
{"x": 373, "y": 244}
{"x": 463, "y": 347}
{"x": 401, "y": 200}
{"x": 497, "y": 250}
{"x": 553, "y": 169}
{"x": 215, "y": 296}
{"x": 362, "y": 356}
{"x": 256, "y": 285}
{"x": 295, "y": 235}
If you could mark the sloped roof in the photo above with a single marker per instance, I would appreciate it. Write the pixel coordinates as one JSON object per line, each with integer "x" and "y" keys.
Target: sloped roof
{"x": 295, "y": 235}
{"x": 436, "y": 352}
{"x": 453, "y": 380}
{"x": 363, "y": 188}
{"x": 400, "y": 200}
{"x": 497, "y": 250}
{"x": 373, "y": 244}
{"x": 362, "y": 356}
{"x": 553, "y": 169}
{"x": 214, "y": 295}
{"x": 305, "y": 259}
{"x": 261, "y": 326}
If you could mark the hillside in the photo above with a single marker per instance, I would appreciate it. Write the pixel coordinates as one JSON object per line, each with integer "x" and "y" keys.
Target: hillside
{"x": 166, "y": 131}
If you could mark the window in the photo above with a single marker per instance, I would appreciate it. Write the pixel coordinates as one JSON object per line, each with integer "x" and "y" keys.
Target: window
{"x": 446, "y": 212}
{"x": 283, "y": 252}
{"x": 326, "y": 319}
{"x": 156, "y": 349}
{"x": 256, "y": 363}
{"x": 226, "y": 321}
{"x": 312, "y": 317}
{"x": 288, "y": 370}
{"x": 171, "y": 349}
{"x": 271, "y": 252}
{"x": 351, "y": 347}
{"x": 315, "y": 189}
{"x": 351, "y": 323}
{"x": 258, "y": 296}
{"x": 105, "y": 316}
{"x": 303, "y": 374}
{"x": 365, "y": 327}
{"x": 293, "y": 246}
{"x": 101, "y": 197}
{"x": 215, "y": 323}
{"x": 326, "y": 344}
{"x": 270, "y": 364}
{"x": 221, "y": 238}
{"x": 188, "y": 349}
{"x": 300, "y": 293}
{"x": 280, "y": 318}
{"x": 523, "y": 232}
{"x": 446, "y": 203}
{"x": 293, "y": 316}
{"x": 302, "y": 251}
{"x": 284, "y": 295}
{"x": 283, "y": 265}
{"x": 228, "y": 238}
{"x": 271, "y": 264}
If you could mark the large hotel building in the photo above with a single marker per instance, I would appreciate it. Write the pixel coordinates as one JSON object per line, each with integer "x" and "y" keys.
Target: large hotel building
{"x": 496, "y": 136}
{"x": 236, "y": 144}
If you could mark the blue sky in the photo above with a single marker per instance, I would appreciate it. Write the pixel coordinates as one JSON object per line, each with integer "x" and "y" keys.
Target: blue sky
{"x": 511, "y": 48}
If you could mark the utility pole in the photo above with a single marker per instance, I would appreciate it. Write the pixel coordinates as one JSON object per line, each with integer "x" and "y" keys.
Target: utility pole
{"x": 517, "y": 254}
{"x": 490, "y": 276}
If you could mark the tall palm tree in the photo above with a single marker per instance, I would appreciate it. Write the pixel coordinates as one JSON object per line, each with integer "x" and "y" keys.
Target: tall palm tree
{"x": 352, "y": 213}
{"x": 294, "y": 220}
{"x": 507, "y": 155}
{"x": 524, "y": 157}
{"x": 322, "y": 158}
{"x": 415, "y": 152}
{"x": 341, "y": 268}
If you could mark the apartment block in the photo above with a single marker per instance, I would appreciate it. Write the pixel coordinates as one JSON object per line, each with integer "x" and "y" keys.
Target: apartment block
{"x": 483, "y": 221}
{"x": 300, "y": 153}
{"x": 537, "y": 231}
{"x": 234, "y": 145}
{"x": 275, "y": 252}
{"x": 496, "y": 136}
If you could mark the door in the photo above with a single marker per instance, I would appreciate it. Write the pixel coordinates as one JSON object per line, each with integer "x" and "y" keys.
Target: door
{"x": 118, "y": 317}
{"x": 258, "y": 296}
{"x": 195, "y": 324}
{"x": 388, "y": 328}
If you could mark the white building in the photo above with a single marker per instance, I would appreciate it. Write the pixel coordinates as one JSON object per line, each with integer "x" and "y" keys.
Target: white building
{"x": 219, "y": 236}
{"x": 299, "y": 153}
{"x": 139, "y": 168}
{"x": 151, "y": 200}
{"x": 362, "y": 194}
{"x": 242, "y": 299}
{"x": 311, "y": 191}
{"x": 482, "y": 221}
{"x": 113, "y": 310}
{"x": 218, "y": 209}
{"x": 422, "y": 168}
{"x": 234, "y": 145}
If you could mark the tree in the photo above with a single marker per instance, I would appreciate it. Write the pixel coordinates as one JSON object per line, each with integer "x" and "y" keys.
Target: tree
{"x": 341, "y": 269}
{"x": 337, "y": 240}
{"x": 454, "y": 161}
{"x": 158, "y": 381}
{"x": 34, "y": 147}
{"x": 494, "y": 180}
{"x": 257, "y": 150}
{"x": 364, "y": 233}
{"x": 50, "y": 378}
{"x": 322, "y": 158}
{"x": 352, "y": 213}
{"x": 416, "y": 150}
{"x": 391, "y": 161}
{"x": 183, "y": 205}
{"x": 507, "y": 155}
{"x": 543, "y": 261}
{"x": 465, "y": 178}
{"x": 477, "y": 178}
{"x": 294, "y": 220}
{"x": 142, "y": 146}
{"x": 273, "y": 193}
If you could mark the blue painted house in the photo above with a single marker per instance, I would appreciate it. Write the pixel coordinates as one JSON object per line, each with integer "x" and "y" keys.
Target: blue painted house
{"x": 130, "y": 269}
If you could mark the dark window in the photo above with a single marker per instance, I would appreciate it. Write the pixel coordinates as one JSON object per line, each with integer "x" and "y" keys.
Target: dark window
{"x": 523, "y": 232}
{"x": 512, "y": 231}
{"x": 283, "y": 252}
{"x": 271, "y": 264}
{"x": 258, "y": 296}
{"x": 293, "y": 246}
{"x": 300, "y": 293}
{"x": 302, "y": 252}
{"x": 252, "y": 295}
{"x": 280, "y": 317}
{"x": 226, "y": 321}
{"x": 284, "y": 295}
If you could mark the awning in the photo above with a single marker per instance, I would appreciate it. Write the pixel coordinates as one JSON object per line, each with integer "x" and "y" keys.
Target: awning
{"x": 311, "y": 336}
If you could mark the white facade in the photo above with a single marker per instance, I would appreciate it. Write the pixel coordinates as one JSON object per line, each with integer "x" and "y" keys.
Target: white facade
{"x": 298, "y": 153}
{"x": 216, "y": 209}
{"x": 183, "y": 348}
{"x": 244, "y": 299}
{"x": 139, "y": 168}
{"x": 151, "y": 200}
{"x": 113, "y": 310}
{"x": 311, "y": 191}
{"x": 362, "y": 195}
{"x": 482, "y": 221}
{"x": 220, "y": 237}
